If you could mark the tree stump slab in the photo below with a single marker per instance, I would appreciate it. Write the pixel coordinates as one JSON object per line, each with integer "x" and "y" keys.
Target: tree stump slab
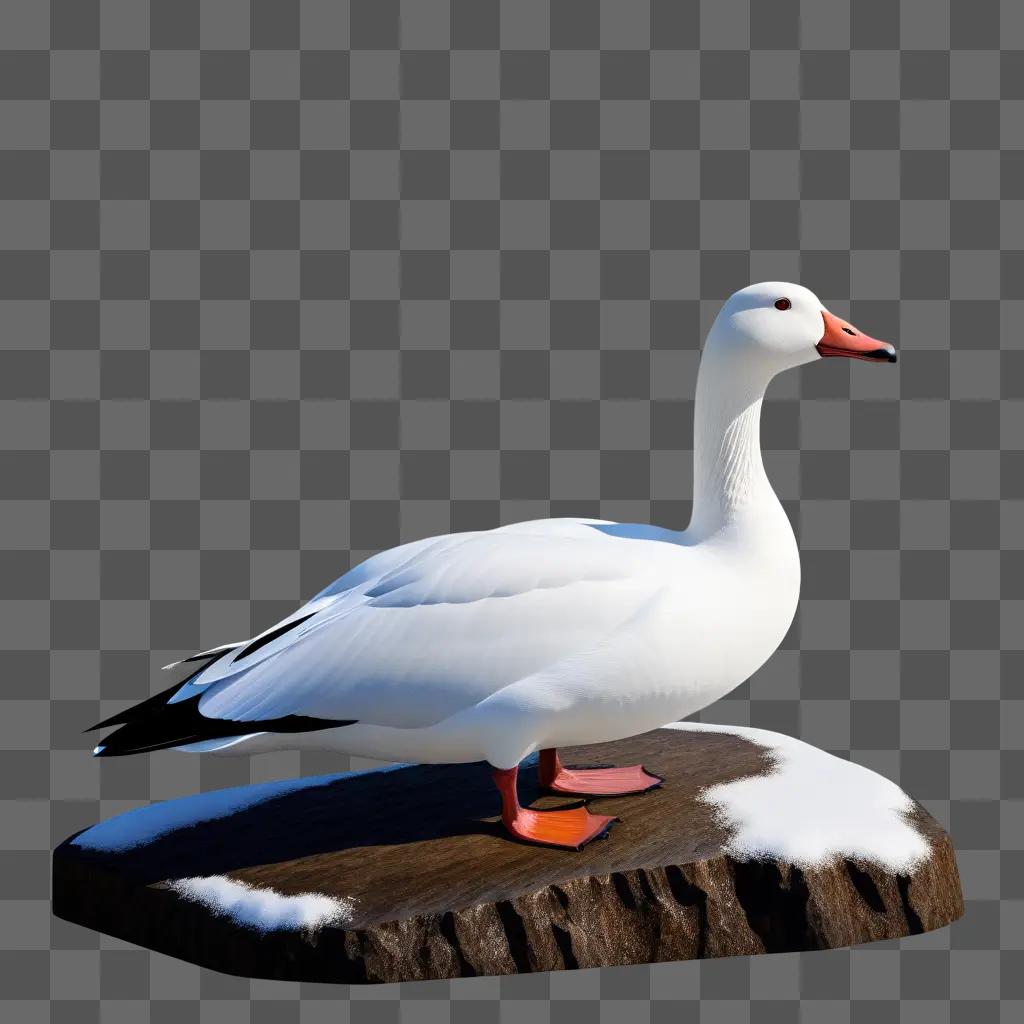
{"x": 756, "y": 843}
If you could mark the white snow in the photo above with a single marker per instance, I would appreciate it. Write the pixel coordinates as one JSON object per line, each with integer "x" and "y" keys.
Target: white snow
{"x": 145, "y": 824}
{"x": 813, "y": 807}
{"x": 265, "y": 910}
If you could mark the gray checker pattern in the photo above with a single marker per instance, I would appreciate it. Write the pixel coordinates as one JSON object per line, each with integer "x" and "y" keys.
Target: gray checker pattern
{"x": 285, "y": 283}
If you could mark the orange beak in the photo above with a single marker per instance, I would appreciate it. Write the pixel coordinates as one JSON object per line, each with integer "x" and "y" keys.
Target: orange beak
{"x": 843, "y": 339}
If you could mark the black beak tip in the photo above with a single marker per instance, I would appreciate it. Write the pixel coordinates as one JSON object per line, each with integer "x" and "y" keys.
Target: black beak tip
{"x": 887, "y": 354}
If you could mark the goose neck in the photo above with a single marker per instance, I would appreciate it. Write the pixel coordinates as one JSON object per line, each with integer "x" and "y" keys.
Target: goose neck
{"x": 729, "y": 481}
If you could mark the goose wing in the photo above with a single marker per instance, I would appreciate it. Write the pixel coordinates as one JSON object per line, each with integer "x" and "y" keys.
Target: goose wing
{"x": 434, "y": 632}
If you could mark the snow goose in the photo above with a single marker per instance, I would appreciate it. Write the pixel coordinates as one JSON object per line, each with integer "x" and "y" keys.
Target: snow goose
{"x": 491, "y": 645}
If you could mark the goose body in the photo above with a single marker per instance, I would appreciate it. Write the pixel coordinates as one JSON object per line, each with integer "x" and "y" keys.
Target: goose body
{"x": 488, "y": 646}
{"x": 491, "y": 645}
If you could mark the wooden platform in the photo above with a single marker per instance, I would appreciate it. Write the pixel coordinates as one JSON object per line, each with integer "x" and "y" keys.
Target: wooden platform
{"x": 437, "y": 890}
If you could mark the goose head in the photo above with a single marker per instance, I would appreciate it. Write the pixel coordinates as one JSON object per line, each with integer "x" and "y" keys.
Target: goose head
{"x": 777, "y": 326}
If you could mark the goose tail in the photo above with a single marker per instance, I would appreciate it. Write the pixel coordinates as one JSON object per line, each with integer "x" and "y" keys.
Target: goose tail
{"x": 158, "y": 723}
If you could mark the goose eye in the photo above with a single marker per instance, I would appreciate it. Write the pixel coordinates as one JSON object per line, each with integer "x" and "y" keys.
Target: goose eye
{"x": 782, "y": 303}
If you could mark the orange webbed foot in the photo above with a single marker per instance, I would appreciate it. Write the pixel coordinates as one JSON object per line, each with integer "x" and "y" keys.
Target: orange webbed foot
{"x": 569, "y": 828}
{"x": 555, "y": 777}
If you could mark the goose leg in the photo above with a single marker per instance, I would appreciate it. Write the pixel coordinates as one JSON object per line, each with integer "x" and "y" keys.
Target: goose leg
{"x": 594, "y": 781}
{"x": 571, "y": 828}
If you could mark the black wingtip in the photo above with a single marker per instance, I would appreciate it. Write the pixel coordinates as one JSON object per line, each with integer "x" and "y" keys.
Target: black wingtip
{"x": 183, "y": 723}
{"x": 155, "y": 703}
{"x": 156, "y": 724}
{"x": 144, "y": 707}
{"x": 121, "y": 718}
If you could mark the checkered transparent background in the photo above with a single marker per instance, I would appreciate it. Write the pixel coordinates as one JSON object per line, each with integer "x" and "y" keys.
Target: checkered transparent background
{"x": 284, "y": 283}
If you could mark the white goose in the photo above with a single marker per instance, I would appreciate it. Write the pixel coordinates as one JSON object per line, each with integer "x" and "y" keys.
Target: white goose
{"x": 488, "y": 646}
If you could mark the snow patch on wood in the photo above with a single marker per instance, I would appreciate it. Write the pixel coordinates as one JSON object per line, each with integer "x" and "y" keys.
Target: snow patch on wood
{"x": 264, "y": 910}
{"x": 813, "y": 808}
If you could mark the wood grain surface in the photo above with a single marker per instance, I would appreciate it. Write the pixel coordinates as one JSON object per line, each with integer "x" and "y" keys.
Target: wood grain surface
{"x": 440, "y": 891}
